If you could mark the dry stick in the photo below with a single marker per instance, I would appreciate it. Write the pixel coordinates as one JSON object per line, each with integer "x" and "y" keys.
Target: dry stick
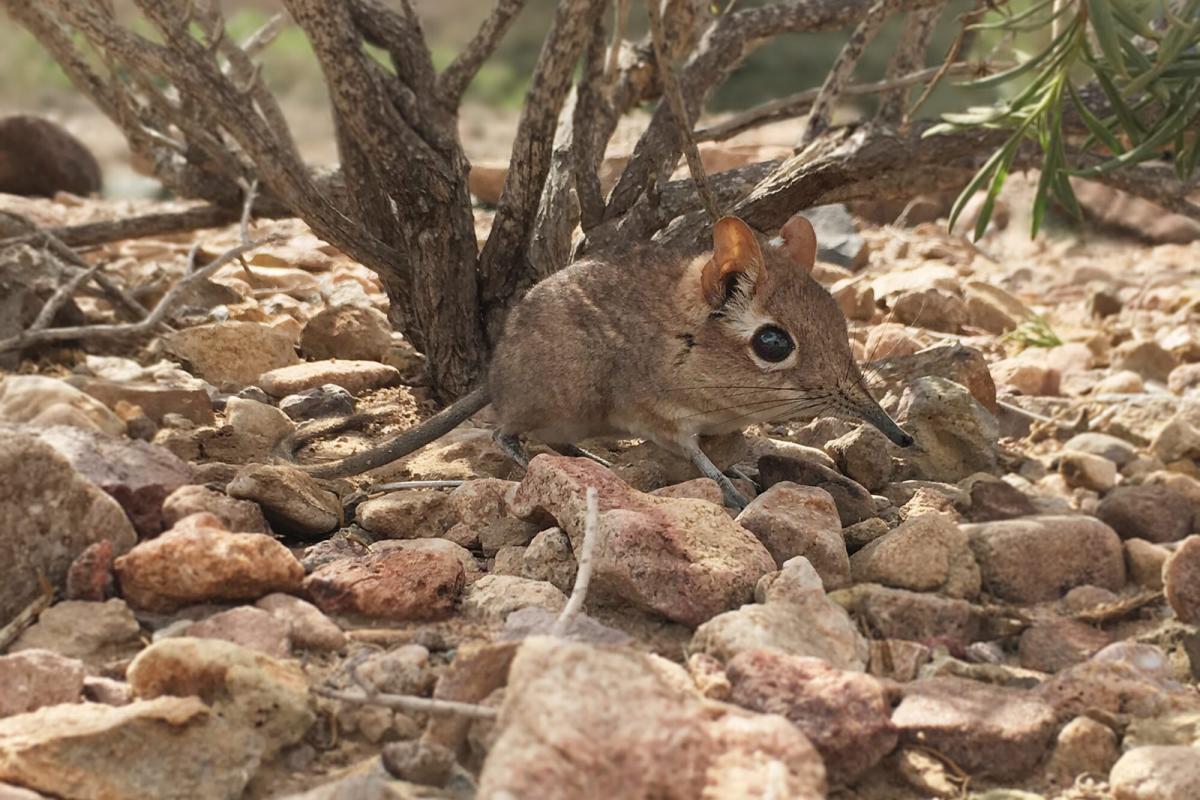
{"x": 819, "y": 119}
{"x": 674, "y": 97}
{"x": 409, "y": 703}
{"x": 454, "y": 80}
{"x": 947, "y": 63}
{"x": 620, "y": 23}
{"x": 60, "y": 297}
{"x": 583, "y": 575}
{"x": 908, "y": 55}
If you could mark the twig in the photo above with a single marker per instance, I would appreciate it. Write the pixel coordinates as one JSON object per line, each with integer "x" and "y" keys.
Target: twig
{"x": 908, "y": 55}
{"x": 454, "y": 80}
{"x": 583, "y": 575}
{"x": 410, "y": 703}
{"x": 60, "y": 297}
{"x": 674, "y": 97}
{"x": 819, "y": 118}
{"x": 28, "y": 615}
{"x": 950, "y": 59}
{"x": 251, "y": 190}
{"x": 620, "y": 22}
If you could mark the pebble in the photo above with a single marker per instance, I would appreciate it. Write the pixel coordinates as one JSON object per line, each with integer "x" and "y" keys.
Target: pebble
{"x": 398, "y": 585}
{"x": 1087, "y": 471}
{"x": 42, "y": 402}
{"x": 347, "y": 332}
{"x": 1152, "y": 512}
{"x": 319, "y": 402}
{"x": 924, "y": 553}
{"x": 410, "y": 514}
{"x": 853, "y": 501}
{"x": 1057, "y": 643}
{"x": 307, "y": 625}
{"x": 241, "y": 516}
{"x": 1118, "y": 451}
{"x": 863, "y": 456}
{"x": 957, "y": 436}
{"x": 1084, "y": 746}
{"x": 1181, "y": 580}
{"x": 96, "y": 633}
{"x": 356, "y": 377}
{"x": 232, "y": 352}
{"x": 247, "y": 626}
{"x": 292, "y": 501}
{"x": 493, "y": 597}
{"x": 912, "y": 616}
{"x": 549, "y": 558}
{"x": 259, "y": 421}
{"x": 1157, "y": 773}
{"x": 30, "y": 679}
{"x": 792, "y": 520}
{"x": 1144, "y": 561}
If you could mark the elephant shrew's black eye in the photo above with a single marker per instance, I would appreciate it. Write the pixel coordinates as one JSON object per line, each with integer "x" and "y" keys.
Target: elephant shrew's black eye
{"x": 771, "y": 343}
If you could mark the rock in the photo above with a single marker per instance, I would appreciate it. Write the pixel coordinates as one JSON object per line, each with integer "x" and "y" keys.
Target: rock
{"x": 993, "y": 309}
{"x": 1178, "y": 439}
{"x": 241, "y": 516}
{"x": 232, "y": 352}
{"x": 680, "y": 558}
{"x": 1157, "y": 773}
{"x": 863, "y": 456}
{"x": 549, "y": 558}
{"x": 1038, "y": 558}
{"x": 31, "y": 679}
{"x": 482, "y": 507}
{"x": 989, "y": 500}
{"x": 171, "y": 747}
{"x": 410, "y": 514}
{"x": 697, "y": 488}
{"x": 1087, "y": 471}
{"x": 1084, "y": 746}
{"x": 292, "y": 501}
{"x": 246, "y": 626}
{"x": 349, "y": 332}
{"x": 138, "y": 475}
{"x": 1084, "y": 598}
{"x": 403, "y": 670}
{"x": 90, "y": 576}
{"x": 854, "y": 503}
{"x": 956, "y": 436}
{"x": 934, "y": 309}
{"x": 1184, "y": 379}
{"x": 426, "y": 763}
{"x": 642, "y": 729}
{"x": 926, "y": 773}
{"x": 1124, "y": 678}
{"x": 267, "y": 699}
{"x": 493, "y": 597}
{"x": 392, "y": 584}
{"x": 41, "y": 402}
{"x": 307, "y": 626}
{"x": 156, "y": 400}
{"x": 987, "y": 730}
{"x": 355, "y": 377}
{"x": 844, "y": 714}
{"x": 963, "y": 365}
{"x": 912, "y": 616}
{"x": 329, "y": 400}
{"x": 861, "y": 534}
{"x": 107, "y": 691}
{"x": 39, "y": 157}
{"x": 1144, "y": 561}
{"x": 1181, "y": 580}
{"x": 96, "y": 633}
{"x": 470, "y": 566}
{"x": 1152, "y": 512}
{"x": 797, "y": 619}
{"x": 198, "y": 560}
{"x": 924, "y": 553}
{"x": 792, "y": 521}
{"x": 262, "y": 422}
{"x": 1145, "y": 357}
{"x": 1118, "y": 451}
{"x": 1057, "y": 643}
{"x": 840, "y": 241}
{"x": 1120, "y": 382}
{"x": 1026, "y": 377}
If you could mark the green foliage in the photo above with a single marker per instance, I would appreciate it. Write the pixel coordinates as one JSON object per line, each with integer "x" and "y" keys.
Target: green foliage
{"x": 1144, "y": 59}
{"x": 1033, "y": 332}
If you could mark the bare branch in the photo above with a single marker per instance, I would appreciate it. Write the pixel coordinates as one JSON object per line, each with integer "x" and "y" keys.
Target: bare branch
{"x": 908, "y": 56}
{"x": 583, "y": 574}
{"x": 410, "y": 703}
{"x": 62, "y": 295}
{"x": 454, "y": 80}
{"x": 400, "y": 34}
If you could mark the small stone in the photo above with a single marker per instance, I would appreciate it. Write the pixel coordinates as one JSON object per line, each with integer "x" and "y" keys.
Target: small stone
{"x": 247, "y": 626}
{"x": 232, "y": 352}
{"x": 792, "y": 521}
{"x": 1038, "y": 558}
{"x": 1157, "y": 773}
{"x": 493, "y": 597}
{"x": 1123, "y": 678}
{"x": 90, "y": 576}
{"x": 107, "y": 691}
{"x": 482, "y": 506}
{"x": 262, "y": 422}
{"x": 291, "y": 499}
{"x": 471, "y": 570}
{"x": 1087, "y": 471}
{"x": 1025, "y": 377}
{"x": 1121, "y": 382}
{"x": 897, "y": 659}
{"x": 424, "y": 763}
{"x": 349, "y": 332}
{"x": 1103, "y": 303}
{"x": 1084, "y": 747}
{"x": 549, "y": 558}
{"x": 1152, "y": 512}
{"x": 403, "y": 670}
{"x": 30, "y": 679}
{"x": 926, "y": 773}
{"x": 410, "y": 514}
{"x": 854, "y": 503}
{"x": 188, "y": 399}
{"x": 844, "y": 714}
{"x": 356, "y": 377}
{"x": 307, "y": 625}
{"x": 932, "y": 308}
{"x": 392, "y": 584}
{"x": 1145, "y": 561}
{"x": 863, "y": 456}
{"x": 925, "y": 553}
{"x": 697, "y": 488}
{"x": 1185, "y": 379}
{"x": 1181, "y": 580}
{"x": 1055, "y": 644}
{"x": 861, "y": 534}
{"x": 1083, "y": 598}
{"x": 990, "y": 500}
{"x": 1179, "y": 438}
{"x": 319, "y": 402}
{"x": 993, "y": 309}
{"x": 1145, "y": 357}
{"x": 198, "y": 561}
{"x": 96, "y": 633}
{"x": 912, "y": 616}
{"x": 1118, "y": 451}
{"x": 987, "y": 730}
{"x": 240, "y": 516}
{"x": 39, "y": 157}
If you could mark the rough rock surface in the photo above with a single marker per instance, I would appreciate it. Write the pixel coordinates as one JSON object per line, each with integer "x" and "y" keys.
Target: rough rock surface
{"x": 924, "y": 553}
{"x": 957, "y": 436}
{"x": 355, "y": 377}
{"x": 292, "y": 501}
{"x": 792, "y": 521}
{"x": 30, "y": 679}
{"x": 392, "y": 584}
{"x": 233, "y": 351}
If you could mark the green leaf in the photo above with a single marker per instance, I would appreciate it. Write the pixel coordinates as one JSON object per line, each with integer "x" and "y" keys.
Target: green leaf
{"x": 977, "y": 182}
{"x": 1133, "y": 128}
{"x": 1133, "y": 22}
{"x": 1006, "y": 21}
{"x": 1176, "y": 121}
{"x": 1054, "y": 50}
{"x": 1097, "y": 128}
{"x": 1100, "y": 15}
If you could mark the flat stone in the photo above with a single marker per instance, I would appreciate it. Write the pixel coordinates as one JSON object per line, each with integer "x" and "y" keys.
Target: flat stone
{"x": 96, "y": 633}
{"x": 393, "y": 584}
{"x": 292, "y": 501}
{"x": 232, "y": 351}
{"x": 355, "y": 377}
{"x": 31, "y": 679}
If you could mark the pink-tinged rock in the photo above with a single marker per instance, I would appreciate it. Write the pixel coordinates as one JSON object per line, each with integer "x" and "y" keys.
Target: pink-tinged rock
{"x": 246, "y": 626}
{"x": 355, "y": 377}
{"x": 1039, "y": 558}
{"x": 91, "y": 574}
{"x": 1084, "y": 747}
{"x": 138, "y": 475}
{"x": 846, "y": 715}
{"x": 697, "y": 488}
{"x": 51, "y": 514}
{"x": 987, "y": 730}
{"x": 308, "y": 627}
{"x": 1181, "y": 580}
{"x": 1160, "y": 772}
{"x": 242, "y": 516}
{"x": 926, "y": 553}
{"x": 1054, "y": 644}
{"x": 481, "y": 506}
{"x": 199, "y": 561}
{"x": 1123, "y": 678}
{"x": 684, "y": 559}
{"x": 393, "y": 584}
{"x": 31, "y": 679}
{"x": 1026, "y": 377}
{"x": 642, "y": 729}
{"x": 792, "y": 521}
